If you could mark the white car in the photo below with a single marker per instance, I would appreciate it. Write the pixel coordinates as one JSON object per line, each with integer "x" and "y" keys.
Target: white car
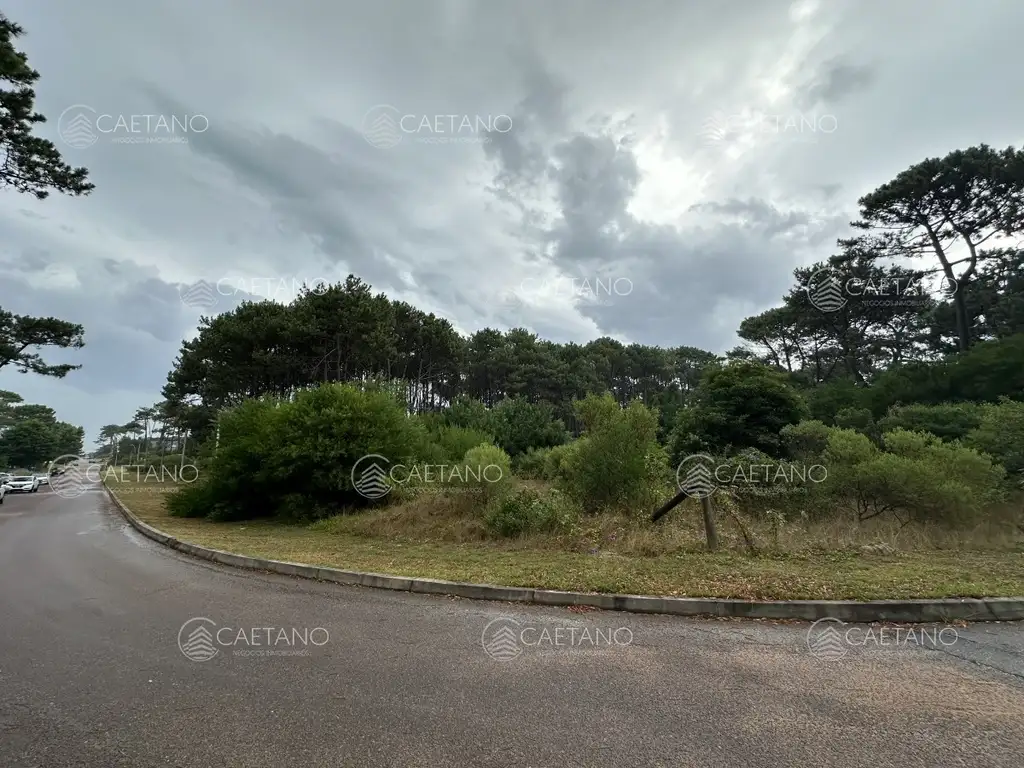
{"x": 3, "y": 491}
{"x": 23, "y": 484}
{"x": 43, "y": 479}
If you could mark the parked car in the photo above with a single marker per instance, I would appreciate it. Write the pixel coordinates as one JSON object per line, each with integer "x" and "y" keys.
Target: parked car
{"x": 44, "y": 479}
{"x": 23, "y": 484}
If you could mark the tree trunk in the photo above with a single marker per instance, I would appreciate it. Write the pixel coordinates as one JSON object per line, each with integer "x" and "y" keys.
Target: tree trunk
{"x": 963, "y": 327}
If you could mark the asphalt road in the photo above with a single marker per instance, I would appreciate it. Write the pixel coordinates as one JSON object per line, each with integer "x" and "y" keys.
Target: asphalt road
{"x": 92, "y": 674}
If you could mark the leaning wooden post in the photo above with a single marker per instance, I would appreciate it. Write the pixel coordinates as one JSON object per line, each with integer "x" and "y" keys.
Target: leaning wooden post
{"x": 669, "y": 505}
{"x": 710, "y": 529}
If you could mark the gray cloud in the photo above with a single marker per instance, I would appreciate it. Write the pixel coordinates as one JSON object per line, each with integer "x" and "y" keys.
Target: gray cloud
{"x": 836, "y": 81}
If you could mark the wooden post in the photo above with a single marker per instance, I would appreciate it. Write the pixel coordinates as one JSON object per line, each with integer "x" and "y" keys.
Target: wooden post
{"x": 710, "y": 530}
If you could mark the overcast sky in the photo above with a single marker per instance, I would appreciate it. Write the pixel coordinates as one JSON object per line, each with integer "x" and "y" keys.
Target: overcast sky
{"x": 679, "y": 158}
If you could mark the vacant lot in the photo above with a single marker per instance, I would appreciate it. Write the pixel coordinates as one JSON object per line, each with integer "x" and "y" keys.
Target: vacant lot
{"x": 350, "y": 543}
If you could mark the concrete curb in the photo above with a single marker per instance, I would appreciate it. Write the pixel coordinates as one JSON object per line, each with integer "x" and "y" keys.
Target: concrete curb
{"x": 909, "y": 611}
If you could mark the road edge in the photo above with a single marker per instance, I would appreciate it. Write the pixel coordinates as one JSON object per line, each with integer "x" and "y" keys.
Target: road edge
{"x": 909, "y": 611}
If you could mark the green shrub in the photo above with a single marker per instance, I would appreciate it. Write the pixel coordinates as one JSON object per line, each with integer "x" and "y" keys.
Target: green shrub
{"x": 618, "y": 463}
{"x": 739, "y": 405}
{"x": 455, "y": 441}
{"x": 236, "y": 483}
{"x": 806, "y": 440}
{"x": 521, "y": 425}
{"x": 296, "y": 459}
{"x": 526, "y": 510}
{"x": 556, "y": 460}
{"x": 826, "y": 400}
{"x": 195, "y": 500}
{"x": 433, "y": 453}
{"x": 487, "y": 469}
{"x": 859, "y": 419}
{"x": 531, "y": 464}
{"x": 684, "y": 440}
{"x": 949, "y": 421}
{"x": 754, "y": 477}
{"x": 848, "y": 447}
{"x": 957, "y": 463}
{"x": 471, "y": 414}
{"x": 1000, "y": 434}
{"x": 915, "y": 477}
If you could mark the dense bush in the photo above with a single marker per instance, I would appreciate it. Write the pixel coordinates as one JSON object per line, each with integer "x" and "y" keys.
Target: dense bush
{"x": 617, "y": 464}
{"x": 859, "y": 419}
{"x": 914, "y": 477}
{"x": 295, "y": 459}
{"x": 531, "y": 464}
{"x": 987, "y": 371}
{"x": 1000, "y": 433}
{"x": 923, "y": 463}
{"x": 949, "y": 421}
{"x": 487, "y": 469}
{"x": 235, "y": 484}
{"x": 741, "y": 405}
{"x": 526, "y": 510}
{"x": 470, "y": 414}
{"x": 194, "y": 500}
{"x": 806, "y": 440}
{"x": 455, "y": 441}
{"x": 521, "y": 425}
{"x": 557, "y": 460}
{"x": 824, "y": 401}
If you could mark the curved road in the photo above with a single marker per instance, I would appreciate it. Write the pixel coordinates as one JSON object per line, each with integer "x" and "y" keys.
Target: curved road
{"x": 92, "y": 675}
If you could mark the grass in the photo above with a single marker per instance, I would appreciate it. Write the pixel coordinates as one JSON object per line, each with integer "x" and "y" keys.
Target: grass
{"x": 435, "y": 538}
